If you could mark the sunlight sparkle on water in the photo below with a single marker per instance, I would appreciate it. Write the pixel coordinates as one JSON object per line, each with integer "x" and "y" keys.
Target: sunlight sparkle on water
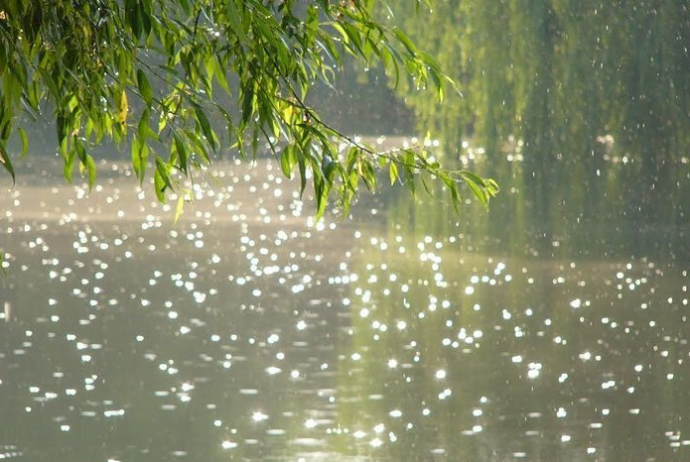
{"x": 259, "y": 416}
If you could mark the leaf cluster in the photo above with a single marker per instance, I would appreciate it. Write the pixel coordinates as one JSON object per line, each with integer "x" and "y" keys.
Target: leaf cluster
{"x": 178, "y": 81}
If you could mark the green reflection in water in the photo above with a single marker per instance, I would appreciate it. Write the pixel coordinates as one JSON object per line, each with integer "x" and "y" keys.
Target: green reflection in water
{"x": 574, "y": 295}
{"x": 559, "y": 74}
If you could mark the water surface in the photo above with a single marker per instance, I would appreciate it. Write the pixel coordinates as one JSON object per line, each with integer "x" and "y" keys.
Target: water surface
{"x": 549, "y": 327}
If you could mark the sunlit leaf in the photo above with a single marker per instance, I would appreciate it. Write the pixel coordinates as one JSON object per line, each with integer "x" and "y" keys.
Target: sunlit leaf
{"x": 393, "y": 172}
{"x": 123, "y": 109}
{"x": 87, "y": 59}
{"x": 179, "y": 208}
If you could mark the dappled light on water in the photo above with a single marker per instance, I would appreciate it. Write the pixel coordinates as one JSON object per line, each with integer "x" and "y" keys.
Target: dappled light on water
{"x": 248, "y": 330}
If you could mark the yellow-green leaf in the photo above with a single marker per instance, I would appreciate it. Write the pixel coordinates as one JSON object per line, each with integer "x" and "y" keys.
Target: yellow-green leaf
{"x": 178, "y": 209}
{"x": 123, "y": 110}
{"x": 393, "y": 172}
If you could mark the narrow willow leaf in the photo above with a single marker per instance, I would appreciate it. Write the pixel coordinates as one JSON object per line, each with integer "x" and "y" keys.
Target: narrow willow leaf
{"x": 219, "y": 73}
{"x": 25, "y": 141}
{"x": 159, "y": 186}
{"x": 136, "y": 159}
{"x": 473, "y": 177}
{"x": 178, "y": 209}
{"x": 255, "y": 141}
{"x": 393, "y": 172}
{"x": 182, "y": 153}
{"x": 143, "y": 155}
{"x": 143, "y": 128}
{"x": 455, "y": 196}
{"x": 492, "y": 187}
{"x": 302, "y": 174}
{"x": 427, "y": 188}
{"x": 185, "y": 6}
{"x": 162, "y": 169}
{"x": 123, "y": 109}
{"x": 236, "y": 22}
{"x": 477, "y": 191}
{"x": 329, "y": 169}
{"x": 68, "y": 167}
{"x": 288, "y": 160}
{"x": 172, "y": 56}
{"x": 79, "y": 149}
{"x": 91, "y": 171}
{"x": 144, "y": 87}
{"x": 205, "y": 126}
{"x": 368, "y": 175}
{"x": 247, "y": 105}
{"x": 6, "y": 162}
{"x": 411, "y": 48}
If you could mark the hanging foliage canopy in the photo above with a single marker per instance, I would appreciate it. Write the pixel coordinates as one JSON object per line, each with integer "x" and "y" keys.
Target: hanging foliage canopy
{"x": 178, "y": 80}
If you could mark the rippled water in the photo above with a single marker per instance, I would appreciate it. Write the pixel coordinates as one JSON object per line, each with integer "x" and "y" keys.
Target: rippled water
{"x": 247, "y": 332}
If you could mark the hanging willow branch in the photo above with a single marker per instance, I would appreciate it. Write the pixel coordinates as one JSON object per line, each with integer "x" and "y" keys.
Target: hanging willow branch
{"x": 193, "y": 75}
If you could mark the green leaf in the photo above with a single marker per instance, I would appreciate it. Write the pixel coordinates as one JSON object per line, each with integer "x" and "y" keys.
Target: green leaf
{"x": 302, "y": 174}
{"x": 481, "y": 188}
{"x": 236, "y": 22}
{"x": 78, "y": 147}
{"x": 68, "y": 167}
{"x": 123, "y": 110}
{"x": 411, "y": 48}
{"x": 368, "y": 175}
{"x": 162, "y": 168}
{"x": 178, "y": 209}
{"x": 205, "y": 126}
{"x": 288, "y": 159}
{"x": 161, "y": 179}
{"x": 492, "y": 187}
{"x": 219, "y": 73}
{"x": 393, "y": 172}
{"x": 472, "y": 177}
{"x": 182, "y": 153}
{"x": 136, "y": 159}
{"x": 6, "y": 162}
{"x": 91, "y": 170}
{"x": 25, "y": 141}
{"x": 247, "y": 105}
{"x": 143, "y": 128}
{"x": 140, "y": 154}
{"x": 85, "y": 59}
{"x": 144, "y": 87}
{"x": 159, "y": 186}
{"x": 255, "y": 141}
{"x": 477, "y": 191}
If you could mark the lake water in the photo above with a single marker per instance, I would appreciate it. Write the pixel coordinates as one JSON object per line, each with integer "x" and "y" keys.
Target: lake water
{"x": 552, "y": 326}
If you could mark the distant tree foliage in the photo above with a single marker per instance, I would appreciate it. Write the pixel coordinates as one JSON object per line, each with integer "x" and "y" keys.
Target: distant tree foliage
{"x": 560, "y": 74}
{"x": 178, "y": 80}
